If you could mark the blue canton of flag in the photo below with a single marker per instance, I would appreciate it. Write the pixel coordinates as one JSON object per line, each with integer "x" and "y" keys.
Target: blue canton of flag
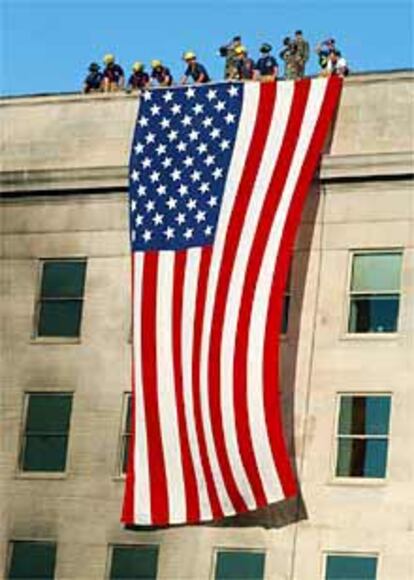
{"x": 182, "y": 148}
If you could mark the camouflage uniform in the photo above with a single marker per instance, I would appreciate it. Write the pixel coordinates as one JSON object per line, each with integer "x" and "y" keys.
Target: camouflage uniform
{"x": 302, "y": 55}
{"x": 289, "y": 56}
{"x": 230, "y": 68}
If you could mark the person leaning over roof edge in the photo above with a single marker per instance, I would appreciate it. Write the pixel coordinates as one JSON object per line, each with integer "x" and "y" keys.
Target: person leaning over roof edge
{"x": 139, "y": 79}
{"x": 266, "y": 66}
{"x": 194, "y": 69}
{"x": 93, "y": 81}
{"x": 244, "y": 64}
{"x": 113, "y": 75}
{"x": 161, "y": 74}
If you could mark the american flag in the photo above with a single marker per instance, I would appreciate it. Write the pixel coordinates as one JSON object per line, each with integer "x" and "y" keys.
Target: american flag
{"x": 218, "y": 178}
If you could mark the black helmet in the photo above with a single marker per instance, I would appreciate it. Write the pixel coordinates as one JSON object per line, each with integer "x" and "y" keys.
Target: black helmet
{"x": 266, "y": 47}
{"x": 94, "y": 67}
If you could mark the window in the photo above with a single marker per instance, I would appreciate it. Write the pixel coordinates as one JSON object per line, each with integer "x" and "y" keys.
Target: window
{"x": 136, "y": 562}
{"x": 375, "y": 292}
{"x": 235, "y": 564}
{"x": 126, "y": 432}
{"x": 46, "y": 431}
{"x": 351, "y": 567}
{"x": 32, "y": 560}
{"x": 286, "y": 303}
{"x": 362, "y": 438}
{"x": 59, "y": 309}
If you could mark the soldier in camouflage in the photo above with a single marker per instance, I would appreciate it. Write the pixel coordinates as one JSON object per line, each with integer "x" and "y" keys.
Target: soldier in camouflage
{"x": 302, "y": 53}
{"x": 289, "y": 56}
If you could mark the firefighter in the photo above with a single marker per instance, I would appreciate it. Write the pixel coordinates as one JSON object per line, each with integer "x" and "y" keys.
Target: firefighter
{"x": 266, "y": 66}
{"x": 139, "y": 79}
{"x": 302, "y": 53}
{"x": 244, "y": 64}
{"x": 113, "y": 75}
{"x": 161, "y": 74}
{"x": 93, "y": 81}
{"x": 194, "y": 69}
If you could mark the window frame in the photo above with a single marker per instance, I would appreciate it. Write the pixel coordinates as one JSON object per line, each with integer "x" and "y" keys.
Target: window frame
{"x": 40, "y": 339}
{"x": 360, "y": 480}
{"x": 27, "y": 474}
{"x": 12, "y": 541}
{"x": 347, "y": 334}
{"x": 122, "y": 436}
{"x": 217, "y": 549}
{"x": 352, "y": 554}
{"x": 110, "y": 552}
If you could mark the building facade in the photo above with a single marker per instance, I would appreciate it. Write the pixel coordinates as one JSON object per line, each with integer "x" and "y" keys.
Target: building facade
{"x": 347, "y": 354}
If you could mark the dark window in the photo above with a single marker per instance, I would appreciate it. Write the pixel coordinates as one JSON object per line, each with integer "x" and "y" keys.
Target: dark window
{"x": 46, "y": 432}
{"x": 375, "y": 292}
{"x": 61, "y": 298}
{"x": 32, "y": 560}
{"x": 126, "y": 432}
{"x": 286, "y": 303}
{"x": 346, "y": 567}
{"x": 362, "y": 437}
{"x": 238, "y": 565}
{"x": 137, "y": 562}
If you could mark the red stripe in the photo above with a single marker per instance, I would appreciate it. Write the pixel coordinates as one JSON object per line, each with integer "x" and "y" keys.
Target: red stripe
{"x": 158, "y": 483}
{"x": 258, "y": 247}
{"x": 127, "y": 516}
{"x": 198, "y": 329}
{"x": 254, "y": 156}
{"x": 190, "y": 482}
{"x": 273, "y": 321}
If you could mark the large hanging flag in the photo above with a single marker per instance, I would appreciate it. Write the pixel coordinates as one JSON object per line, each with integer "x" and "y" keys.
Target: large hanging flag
{"x": 218, "y": 177}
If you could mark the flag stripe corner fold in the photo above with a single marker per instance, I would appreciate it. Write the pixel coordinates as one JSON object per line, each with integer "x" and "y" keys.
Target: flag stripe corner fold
{"x": 219, "y": 174}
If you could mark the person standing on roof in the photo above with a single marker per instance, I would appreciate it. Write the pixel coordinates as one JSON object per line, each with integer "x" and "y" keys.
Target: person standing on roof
{"x": 93, "y": 81}
{"x": 194, "y": 69}
{"x": 289, "y": 55}
{"x": 324, "y": 49}
{"x": 161, "y": 74}
{"x": 302, "y": 53}
{"x": 228, "y": 52}
{"x": 113, "y": 75}
{"x": 139, "y": 79}
{"x": 244, "y": 64}
{"x": 266, "y": 66}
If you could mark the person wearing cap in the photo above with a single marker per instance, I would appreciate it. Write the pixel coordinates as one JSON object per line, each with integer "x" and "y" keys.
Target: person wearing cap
{"x": 139, "y": 79}
{"x": 93, "y": 81}
{"x": 194, "y": 69}
{"x": 113, "y": 74}
{"x": 325, "y": 51}
{"x": 302, "y": 53}
{"x": 289, "y": 56}
{"x": 228, "y": 52}
{"x": 244, "y": 64}
{"x": 266, "y": 66}
{"x": 161, "y": 74}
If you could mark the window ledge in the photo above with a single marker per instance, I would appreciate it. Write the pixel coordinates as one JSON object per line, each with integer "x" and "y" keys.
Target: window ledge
{"x": 41, "y": 475}
{"x": 370, "y": 336}
{"x": 55, "y": 340}
{"x": 358, "y": 482}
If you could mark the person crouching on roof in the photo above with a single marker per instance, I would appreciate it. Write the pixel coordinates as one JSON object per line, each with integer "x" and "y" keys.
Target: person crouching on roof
{"x": 139, "y": 79}
{"x": 244, "y": 64}
{"x": 266, "y": 67}
{"x": 194, "y": 69}
{"x": 93, "y": 81}
{"x": 161, "y": 74}
{"x": 113, "y": 75}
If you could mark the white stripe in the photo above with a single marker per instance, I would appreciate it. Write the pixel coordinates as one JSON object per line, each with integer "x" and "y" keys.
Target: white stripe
{"x": 189, "y": 301}
{"x": 167, "y": 403}
{"x": 241, "y": 148}
{"x": 142, "y": 507}
{"x": 258, "y": 432}
{"x": 263, "y": 286}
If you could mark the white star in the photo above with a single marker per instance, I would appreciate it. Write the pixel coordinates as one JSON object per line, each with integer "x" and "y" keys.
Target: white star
{"x": 208, "y": 230}
{"x": 146, "y": 162}
{"x": 142, "y": 190}
{"x": 188, "y": 233}
{"x": 229, "y": 118}
{"x": 212, "y": 94}
{"x": 161, "y": 149}
{"x": 147, "y": 235}
{"x": 139, "y": 148}
{"x": 155, "y": 109}
{"x": 200, "y": 216}
{"x": 202, "y": 148}
{"x": 161, "y": 190}
{"x": 158, "y": 219}
{"x": 209, "y": 160}
{"x": 218, "y": 172}
{"x": 198, "y": 108}
{"x": 165, "y": 123}
{"x": 194, "y": 135}
{"x": 143, "y": 122}
{"x": 146, "y": 95}
{"x": 187, "y": 120}
{"x": 220, "y": 106}
{"x": 168, "y": 96}
{"x": 180, "y": 218}
{"x": 172, "y": 136}
{"x": 188, "y": 161}
{"x": 167, "y": 162}
{"x": 133, "y": 205}
{"x": 139, "y": 220}
{"x": 150, "y": 138}
{"x": 176, "y": 109}
{"x": 135, "y": 175}
{"x": 204, "y": 187}
{"x": 150, "y": 206}
{"x": 233, "y": 91}
{"x": 215, "y": 133}
{"x": 191, "y": 204}
{"x": 155, "y": 176}
{"x": 171, "y": 203}
{"x": 175, "y": 175}
{"x": 225, "y": 144}
{"x": 212, "y": 201}
{"x": 195, "y": 176}
{"x": 207, "y": 122}
{"x": 169, "y": 233}
{"x": 183, "y": 189}
{"x": 190, "y": 93}
{"x": 181, "y": 146}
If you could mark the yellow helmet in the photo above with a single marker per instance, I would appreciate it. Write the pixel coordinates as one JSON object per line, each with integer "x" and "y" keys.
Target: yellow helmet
{"x": 137, "y": 66}
{"x": 240, "y": 50}
{"x": 108, "y": 58}
{"x": 155, "y": 63}
{"x": 189, "y": 55}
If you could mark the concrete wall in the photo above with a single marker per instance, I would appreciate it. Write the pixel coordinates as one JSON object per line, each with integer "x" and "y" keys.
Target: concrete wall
{"x": 53, "y": 147}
